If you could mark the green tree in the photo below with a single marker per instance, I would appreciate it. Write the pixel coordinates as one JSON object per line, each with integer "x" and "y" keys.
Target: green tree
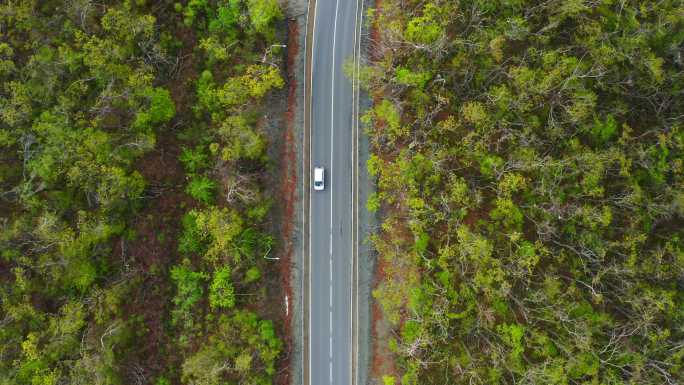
{"x": 90, "y": 202}
{"x": 221, "y": 291}
{"x": 263, "y": 14}
{"x": 202, "y": 188}
{"x": 194, "y": 160}
{"x": 189, "y": 291}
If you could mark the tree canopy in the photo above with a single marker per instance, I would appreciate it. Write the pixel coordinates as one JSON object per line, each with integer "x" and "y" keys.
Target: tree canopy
{"x": 132, "y": 206}
{"x": 528, "y": 157}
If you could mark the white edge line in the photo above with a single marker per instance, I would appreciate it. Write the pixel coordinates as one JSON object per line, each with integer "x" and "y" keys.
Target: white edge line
{"x": 332, "y": 163}
{"x": 308, "y": 170}
{"x": 358, "y": 240}
{"x": 354, "y": 223}
{"x": 304, "y": 192}
{"x": 355, "y": 263}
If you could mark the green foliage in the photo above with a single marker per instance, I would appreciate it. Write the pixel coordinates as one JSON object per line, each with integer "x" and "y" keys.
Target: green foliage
{"x": 162, "y": 108}
{"x": 373, "y": 203}
{"x": 78, "y": 109}
{"x": 221, "y": 291}
{"x": 227, "y": 18}
{"x": 528, "y": 159}
{"x": 254, "y": 84}
{"x": 426, "y": 29}
{"x": 88, "y": 215}
{"x": 192, "y": 240}
{"x": 410, "y": 78}
{"x": 221, "y": 227}
{"x": 242, "y": 141}
{"x": 263, "y": 14}
{"x": 192, "y": 10}
{"x": 194, "y": 160}
{"x": 512, "y": 335}
{"x": 373, "y": 164}
{"x": 206, "y": 91}
{"x": 248, "y": 344}
{"x": 386, "y": 114}
{"x": 6, "y": 64}
{"x": 505, "y": 213}
{"x": 189, "y": 287}
{"x": 604, "y": 131}
{"x": 189, "y": 291}
{"x": 202, "y": 189}
{"x": 252, "y": 275}
{"x": 475, "y": 113}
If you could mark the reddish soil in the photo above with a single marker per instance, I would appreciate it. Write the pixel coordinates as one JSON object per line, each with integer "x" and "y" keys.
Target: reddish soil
{"x": 180, "y": 88}
{"x": 157, "y": 228}
{"x": 375, "y": 34}
{"x": 157, "y": 224}
{"x": 383, "y": 360}
{"x": 5, "y": 273}
{"x": 288, "y": 192}
{"x": 154, "y": 250}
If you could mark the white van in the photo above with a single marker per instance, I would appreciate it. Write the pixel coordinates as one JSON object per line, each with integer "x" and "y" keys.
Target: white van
{"x": 319, "y": 179}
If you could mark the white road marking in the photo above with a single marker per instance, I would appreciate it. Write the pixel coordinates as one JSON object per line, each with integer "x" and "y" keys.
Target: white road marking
{"x": 332, "y": 163}
{"x": 308, "y": 171}
{"x": 353, "y": 200}
{"x": 355, "y": 128}
{"x": 358, "y": 14}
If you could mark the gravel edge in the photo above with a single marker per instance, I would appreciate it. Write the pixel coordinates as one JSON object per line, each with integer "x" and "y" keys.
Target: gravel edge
{"x": 296, "y": 12}
{"x": 367, "y": 223}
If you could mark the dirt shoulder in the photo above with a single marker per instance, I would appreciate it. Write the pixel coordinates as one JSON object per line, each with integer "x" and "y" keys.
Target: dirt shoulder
{"x": 285, "y": 117}
{"x": 367, "y": 223}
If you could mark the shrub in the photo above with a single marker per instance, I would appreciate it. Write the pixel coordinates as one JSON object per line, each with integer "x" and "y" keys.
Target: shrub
{"x": 202, "y": 189}
{"x": 194, "y": 160}
{"x": 221, "y": 292}
{"x": 192, "y": 240}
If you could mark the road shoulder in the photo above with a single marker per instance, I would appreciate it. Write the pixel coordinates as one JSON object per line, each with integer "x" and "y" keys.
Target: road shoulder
{"x": 366, "y": 223}
{"x": 292, "y": 171}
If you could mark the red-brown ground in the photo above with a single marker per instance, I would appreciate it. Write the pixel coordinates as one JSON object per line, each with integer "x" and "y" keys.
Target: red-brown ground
{"x": 154, "y": 250}
{"x": 383, "y": 359}
{"x": 288, "y": 192}
{"x": 157, "y": 227}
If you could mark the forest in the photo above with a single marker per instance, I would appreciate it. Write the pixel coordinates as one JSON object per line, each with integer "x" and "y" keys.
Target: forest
{"x": 134, "y": 230}
{"x": 530, "y": 183}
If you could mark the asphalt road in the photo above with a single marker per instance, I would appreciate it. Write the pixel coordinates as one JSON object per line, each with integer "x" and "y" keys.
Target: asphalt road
{"x": 331, "y": 211}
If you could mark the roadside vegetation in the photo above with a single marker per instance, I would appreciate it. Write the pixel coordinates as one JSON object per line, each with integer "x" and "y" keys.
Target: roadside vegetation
{"x": 133, "y": 219}
{"x": 529, "y": 164}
